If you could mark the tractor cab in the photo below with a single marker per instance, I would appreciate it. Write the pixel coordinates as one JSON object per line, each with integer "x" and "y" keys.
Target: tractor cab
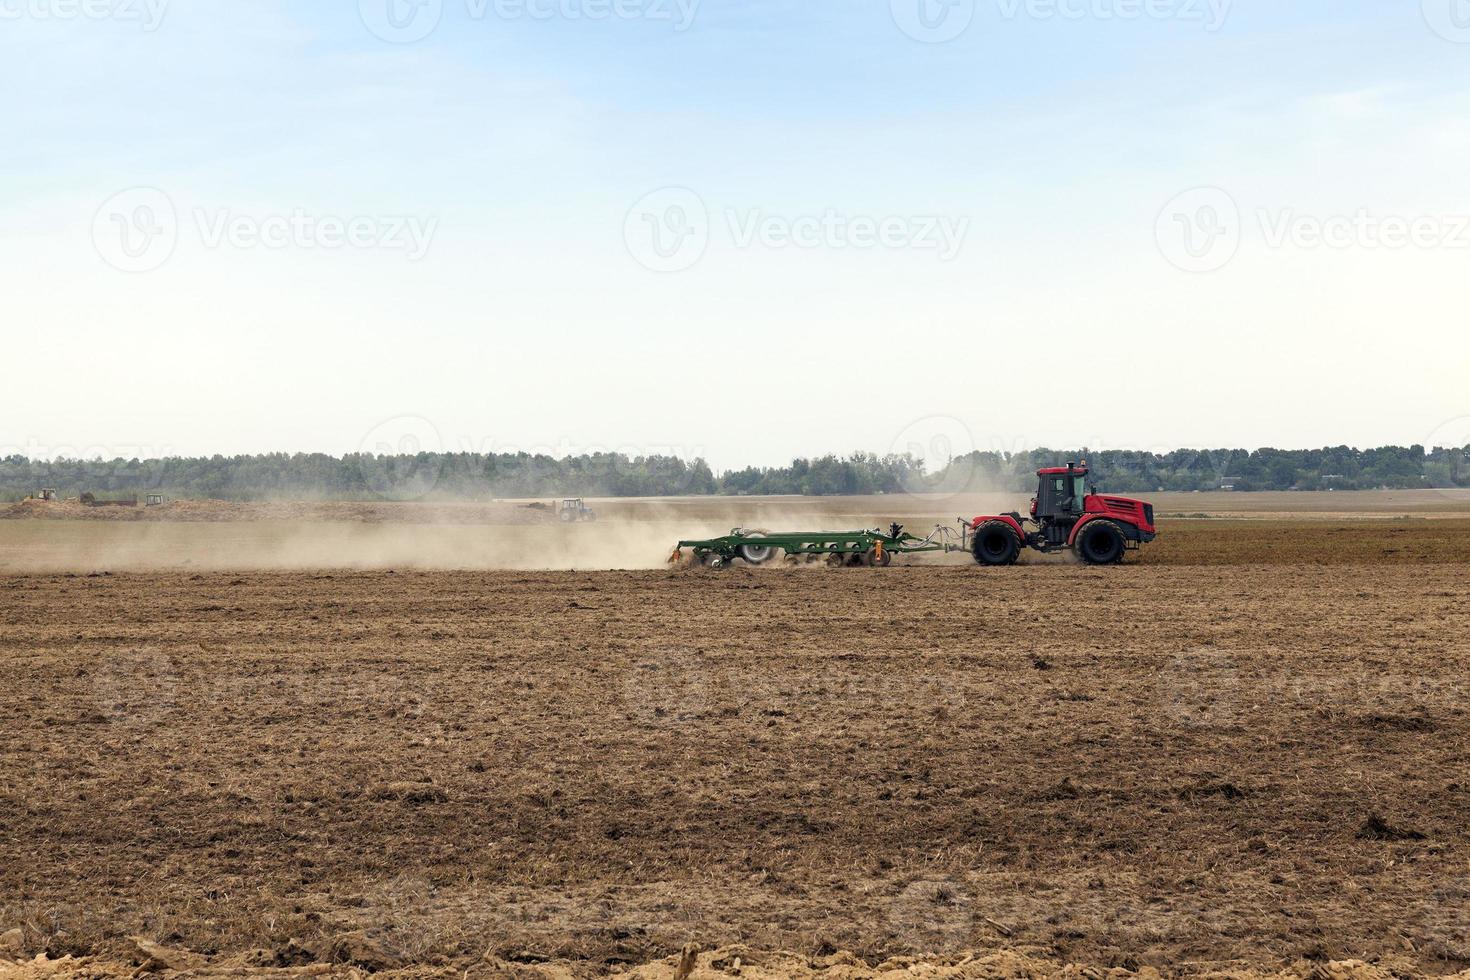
{"x": 1061, "y": 494}
{"x": 575, "y": 510}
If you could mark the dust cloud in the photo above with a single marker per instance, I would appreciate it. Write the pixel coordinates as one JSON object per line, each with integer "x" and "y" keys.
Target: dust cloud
{"x": 629, "y": 534}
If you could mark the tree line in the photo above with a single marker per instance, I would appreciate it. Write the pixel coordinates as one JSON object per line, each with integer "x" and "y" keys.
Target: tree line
{"x": 483, "y": 476}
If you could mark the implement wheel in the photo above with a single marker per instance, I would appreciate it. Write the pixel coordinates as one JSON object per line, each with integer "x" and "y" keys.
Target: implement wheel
{"x": 996, "y": 543}
{"x": 757, "y": 554}
{"x": 1101, "y": 543}
{"x": 870, "y": 557}
{"x": 706, "y": 559}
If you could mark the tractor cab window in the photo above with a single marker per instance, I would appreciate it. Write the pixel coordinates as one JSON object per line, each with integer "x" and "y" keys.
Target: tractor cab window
{"x": 1080, "y": 490}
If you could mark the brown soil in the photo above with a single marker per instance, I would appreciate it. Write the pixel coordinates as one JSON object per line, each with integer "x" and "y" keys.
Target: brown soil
{"x": 1189, "y": 767}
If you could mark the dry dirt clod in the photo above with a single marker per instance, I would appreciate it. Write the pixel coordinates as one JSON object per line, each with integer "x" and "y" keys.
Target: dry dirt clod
{"x": 153, "y": 958}
{"x": 1376, "y": 828}
{"x": 410, "y": 793}
{"x": 359, "y": 949}
{"x": 688, "y": 959}
{"x": 11, "y": 942}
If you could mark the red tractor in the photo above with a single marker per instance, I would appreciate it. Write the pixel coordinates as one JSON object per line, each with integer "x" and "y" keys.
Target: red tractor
{"x": 1066, "y": 513}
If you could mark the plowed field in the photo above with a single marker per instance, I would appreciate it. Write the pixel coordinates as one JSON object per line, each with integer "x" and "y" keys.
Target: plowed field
{"x": 1229, "y": 762}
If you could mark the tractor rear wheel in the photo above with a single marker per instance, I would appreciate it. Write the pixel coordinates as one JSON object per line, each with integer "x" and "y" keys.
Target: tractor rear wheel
{"x": 1101, "y": 543}
{"x": 996, "y": 543}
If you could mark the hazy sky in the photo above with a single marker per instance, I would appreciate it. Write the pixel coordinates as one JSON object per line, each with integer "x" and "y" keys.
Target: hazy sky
{"x": 744, "y": 230}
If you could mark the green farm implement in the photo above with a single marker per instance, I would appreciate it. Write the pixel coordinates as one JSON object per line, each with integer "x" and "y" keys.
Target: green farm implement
{"x": 874, "y": 547}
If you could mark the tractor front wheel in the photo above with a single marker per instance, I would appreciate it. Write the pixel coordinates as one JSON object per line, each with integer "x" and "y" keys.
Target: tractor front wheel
{"x": 996, "y": 543}
{"x": 1101, "y": 543}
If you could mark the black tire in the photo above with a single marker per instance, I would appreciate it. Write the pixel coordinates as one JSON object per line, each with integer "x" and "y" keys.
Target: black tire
{"x": 1101, "y": 543}
{"x": 567, "y": 517}
{"x": 996, "y": 543}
